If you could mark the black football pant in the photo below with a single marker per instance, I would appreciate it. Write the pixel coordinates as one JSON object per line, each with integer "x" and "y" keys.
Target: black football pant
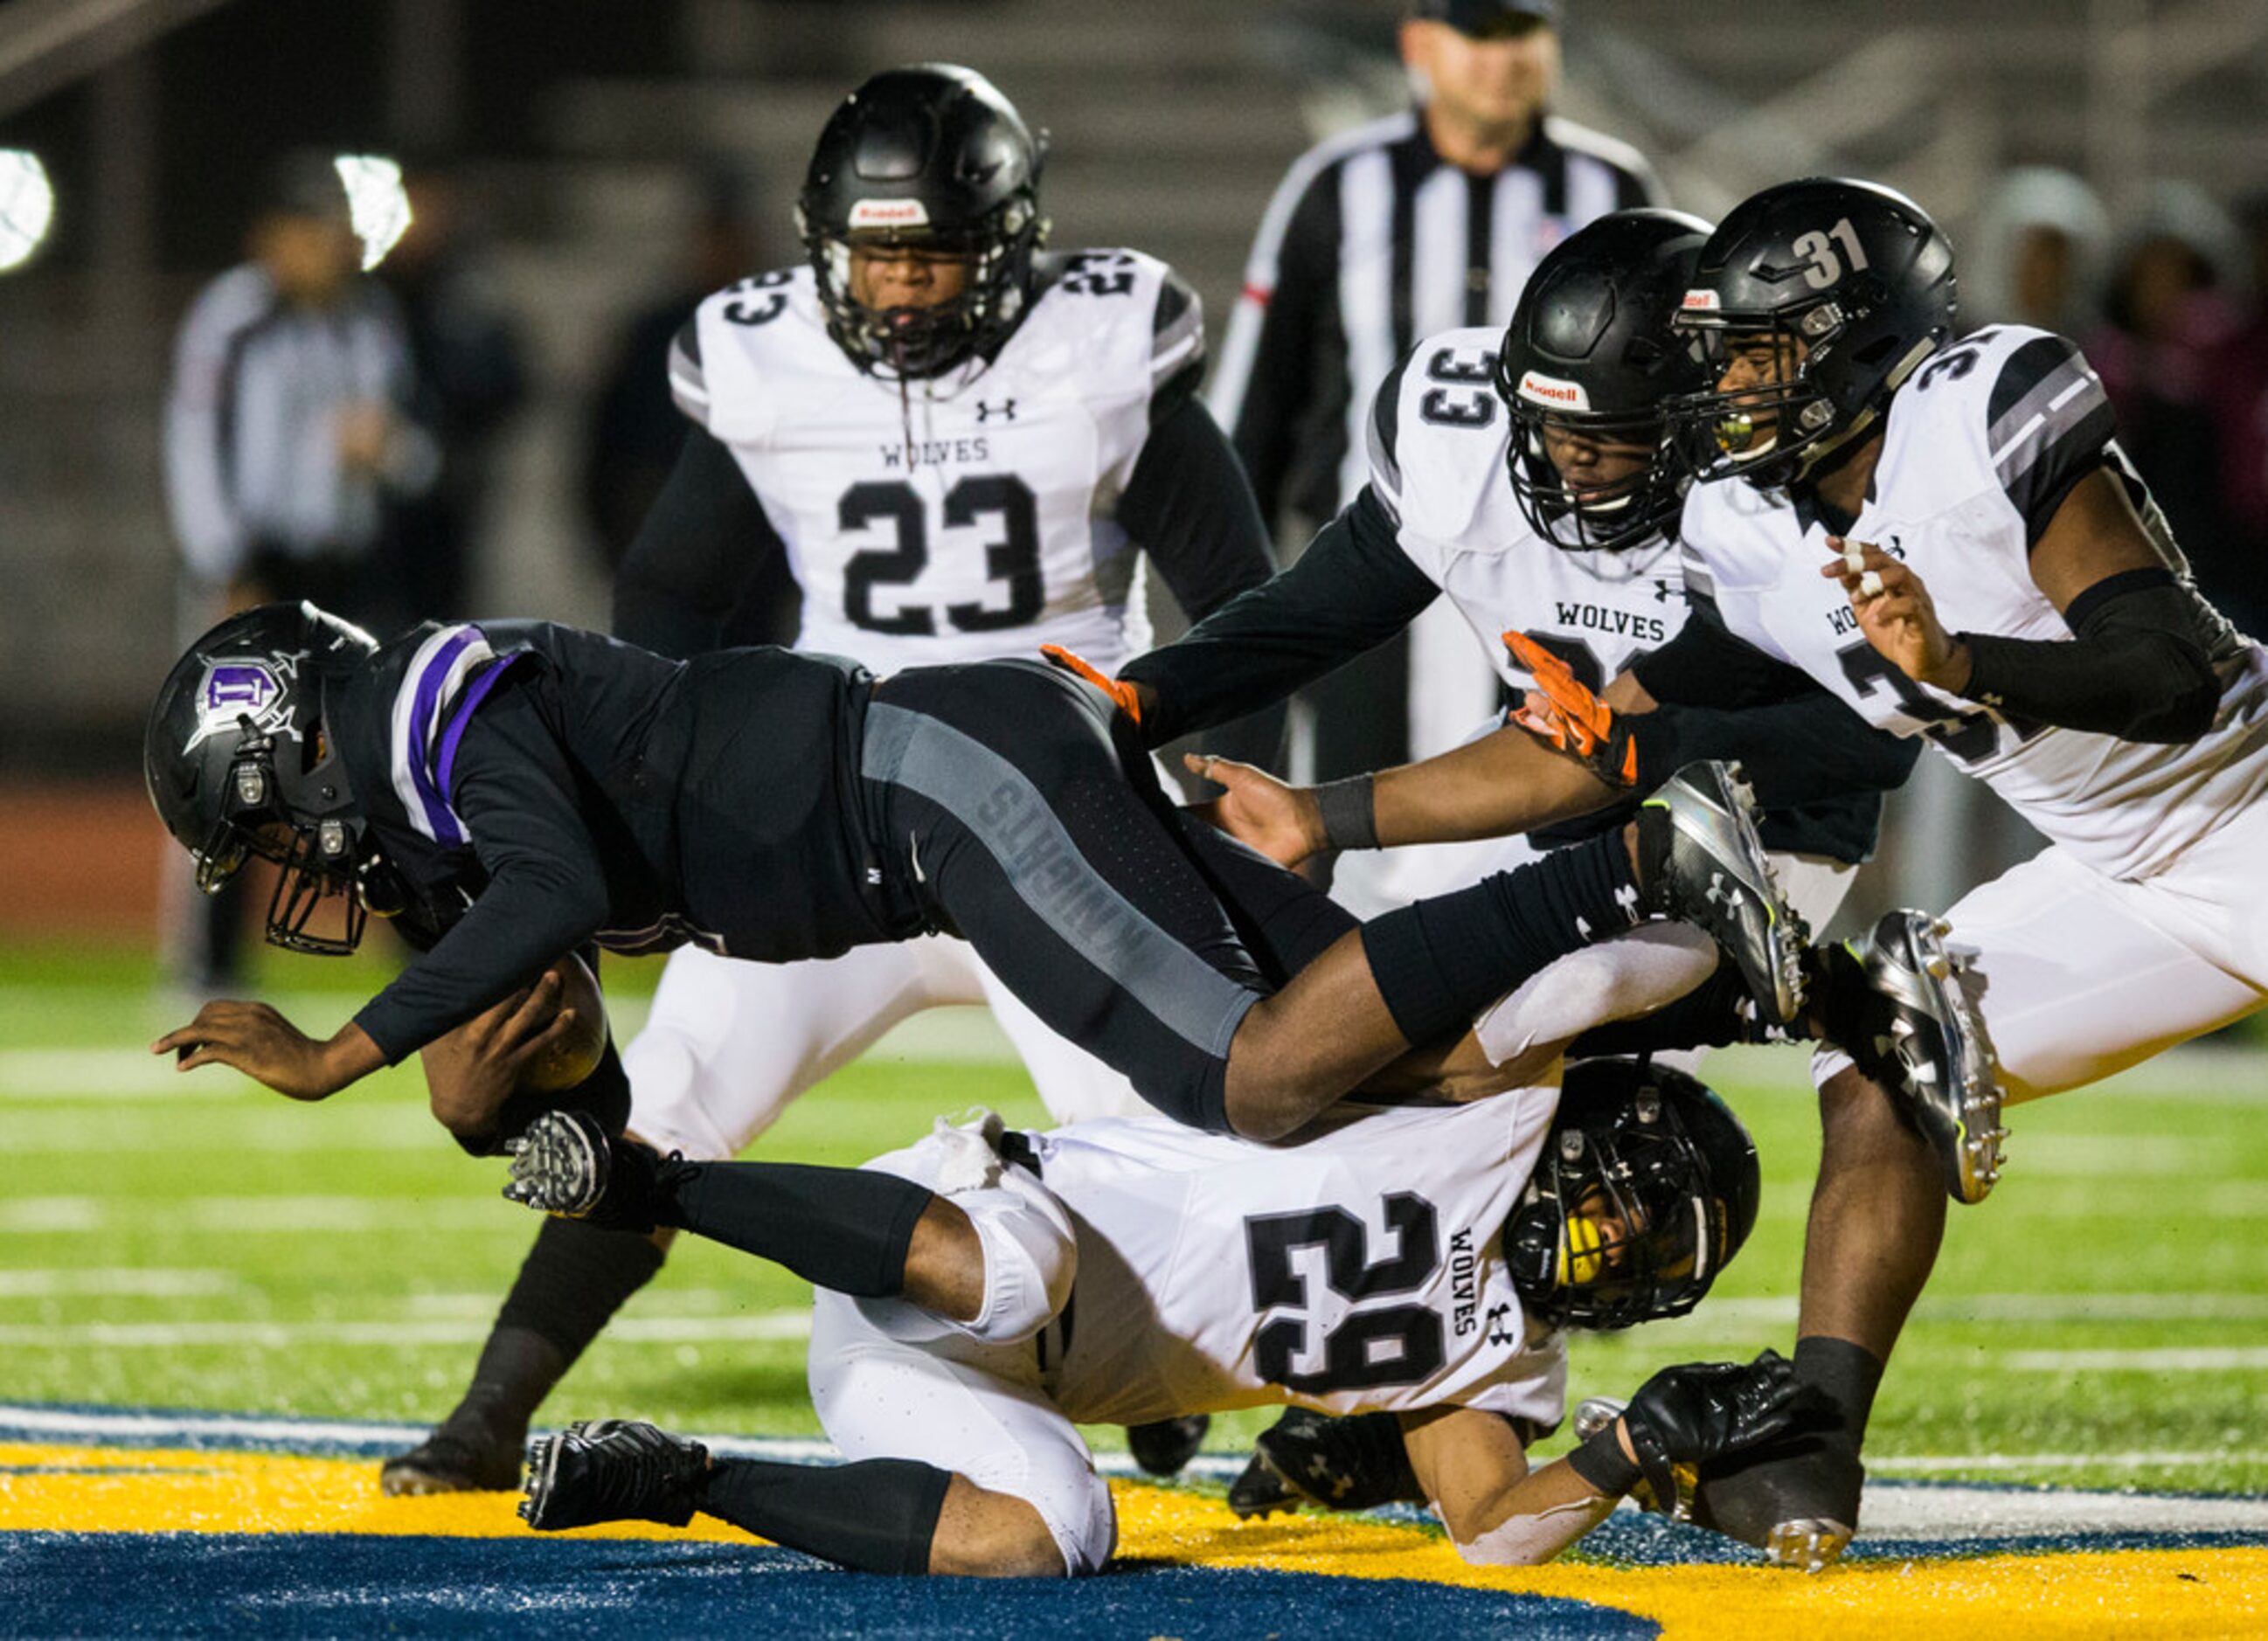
{"x": 1019, "y": 809}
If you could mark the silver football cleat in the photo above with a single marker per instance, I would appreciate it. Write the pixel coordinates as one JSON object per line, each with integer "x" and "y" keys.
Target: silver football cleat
{"x": 1934, "y": 1053}
{"x": 1713, "y": 873}
{"x": 1812, "y": 1543}
{"x": 560, "y": 1165}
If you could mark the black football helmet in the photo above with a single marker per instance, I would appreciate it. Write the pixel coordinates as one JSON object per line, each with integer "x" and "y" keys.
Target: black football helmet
{"x": 931, "y": 158}
{"x": 1590, "y": 350}
{"x": 238, "y": 764}
{"x": 1850, "y": 286}
{"x": 1646, "y": 1187}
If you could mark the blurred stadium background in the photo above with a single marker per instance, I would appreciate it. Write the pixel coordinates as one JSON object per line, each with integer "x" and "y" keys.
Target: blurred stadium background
{"x": 597, "y": 158}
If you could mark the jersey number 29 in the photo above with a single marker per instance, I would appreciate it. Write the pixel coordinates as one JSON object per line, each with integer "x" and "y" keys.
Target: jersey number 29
{"x": 1372, "y": 1344}
{"x": 1014, "y": 558}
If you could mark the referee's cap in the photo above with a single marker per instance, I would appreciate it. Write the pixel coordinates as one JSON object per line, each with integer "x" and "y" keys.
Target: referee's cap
{"x": 1482, "y": 18}
{"x": 305, "y": 182}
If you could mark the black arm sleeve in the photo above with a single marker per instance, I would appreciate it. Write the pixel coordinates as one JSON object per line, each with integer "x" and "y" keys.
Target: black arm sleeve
{"x": 1793, "y": 751}
{"x": 2139, "y": 666}
{"x": 546, "y": 887}
{"x": 1188, "y": 502}
{"x": 1352, "y": 589}
{"x": 1704, "y": 665}
{"x": 695, "y": 556}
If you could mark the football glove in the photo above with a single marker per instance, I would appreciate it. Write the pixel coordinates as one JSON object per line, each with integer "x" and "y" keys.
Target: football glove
{"x": 1564, "y": 713}
{"x": 1687, "y": 1415}
{"x": 1122, "y": 695}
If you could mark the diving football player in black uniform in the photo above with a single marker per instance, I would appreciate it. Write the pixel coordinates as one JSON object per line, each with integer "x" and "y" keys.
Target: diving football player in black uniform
{"x": 513, "y": 793}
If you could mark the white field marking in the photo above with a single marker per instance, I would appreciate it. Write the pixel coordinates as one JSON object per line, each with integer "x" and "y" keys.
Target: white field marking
{"x": 2067, "y": 1198}
{"x": 482, "y": 1304}
{"x": 1924, "y": 1464}
{"x": 1941, "y": 1512}
{"x": 151, "y": 1283}
{"x": 110, "y": 1075}
{"x": 2204, "y": 1073}
{"x": 269, "y": 1127}
{"x": 2208, "y": 1359}
{"x": 2027, "y": 1308}
{"x": 259, "y": 1216}
{"x": 763, "y": 1327}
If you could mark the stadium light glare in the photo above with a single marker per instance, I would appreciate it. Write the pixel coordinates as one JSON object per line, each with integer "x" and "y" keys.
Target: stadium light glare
{"x": 28, "y": 207}
{"x": 377, "y": 202}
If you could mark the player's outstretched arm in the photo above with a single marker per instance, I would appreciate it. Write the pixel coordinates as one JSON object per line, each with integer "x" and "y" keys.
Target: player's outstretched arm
{"x": 1499, "y": 1512}
{"x": 259, "y": 1042}
{"x": 2139, "y": 663}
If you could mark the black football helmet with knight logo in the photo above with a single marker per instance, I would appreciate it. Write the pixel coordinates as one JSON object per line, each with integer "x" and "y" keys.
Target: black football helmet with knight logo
{"x": 1835, "y": 290}
{"x": 933, "y": 159}
{"x": 1646, "y": 1187}
{"x": 1591, "y": 353}
{"x": 238, "y": 764}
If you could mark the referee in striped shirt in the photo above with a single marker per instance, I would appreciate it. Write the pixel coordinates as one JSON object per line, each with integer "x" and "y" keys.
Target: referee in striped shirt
{"x": 1420, "y": 222}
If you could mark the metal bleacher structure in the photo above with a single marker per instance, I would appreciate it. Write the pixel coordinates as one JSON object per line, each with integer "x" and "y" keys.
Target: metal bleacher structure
{"x": 1171, "y": 120}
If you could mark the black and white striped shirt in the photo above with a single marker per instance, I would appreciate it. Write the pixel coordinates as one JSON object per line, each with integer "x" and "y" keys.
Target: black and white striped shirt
{"x": 1372, "y": 241}
{"x": 252, "y": 445}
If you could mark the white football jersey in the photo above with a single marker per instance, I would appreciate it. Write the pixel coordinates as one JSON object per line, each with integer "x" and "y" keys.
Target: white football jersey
{"x": 958, "y": 519}
{"x": 1441, "y": 472}
{"x": 1977, "y": 448}
{"x": 1359, "y": 1270}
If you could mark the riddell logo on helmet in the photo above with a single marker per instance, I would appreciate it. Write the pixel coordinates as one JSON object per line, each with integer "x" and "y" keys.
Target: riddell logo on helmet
{"x": 889, "y": 214}
{"x": 1550, "y": 390}
{"x": 1700, "y": 299}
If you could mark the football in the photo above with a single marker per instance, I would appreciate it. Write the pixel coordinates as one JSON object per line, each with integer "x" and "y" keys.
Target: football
{"x": 577, "y": 1054}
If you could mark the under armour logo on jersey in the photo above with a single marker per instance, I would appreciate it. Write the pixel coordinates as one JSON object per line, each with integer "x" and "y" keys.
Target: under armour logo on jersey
{"x": 1665, "y": 591}
{"x": 1005, "y": 411}
{"x": 1500, "y": 1331}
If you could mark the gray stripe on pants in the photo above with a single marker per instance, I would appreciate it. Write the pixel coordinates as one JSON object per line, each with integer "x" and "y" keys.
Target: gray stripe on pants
{"x": 1009, "y": 816}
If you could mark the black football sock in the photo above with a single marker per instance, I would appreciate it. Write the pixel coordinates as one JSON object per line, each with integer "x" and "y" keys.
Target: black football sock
{"x": 1440, "y": 962}
{"x": 847, "y": 1229}
{"x": 878, "y": 1515}
{"x": 1847, "y": 1375}
{"x": 572, "y": 1282}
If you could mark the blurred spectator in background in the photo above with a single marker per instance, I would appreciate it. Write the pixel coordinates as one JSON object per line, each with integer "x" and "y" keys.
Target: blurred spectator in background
{"x": 2038, "y": 255}
{"x": 1426, "y": 220}
{"x": 636, "y": 426}
{"x": 470, "y": 374}
{"x": 2168, "y": 357}
{"x": 284, "y": 430}
{"x": 2241, "y": 389}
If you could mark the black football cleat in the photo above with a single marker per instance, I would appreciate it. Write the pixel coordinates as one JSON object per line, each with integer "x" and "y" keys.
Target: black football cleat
{"x": 561, "y": 1165}
{"x": 1797, "y": 1501}
{"x": 1702, "y": 864}
{"x": 612, "y": 1470}
{"x": 565, "y": 1164}
{"x": 1354, "y": 1464}
{"x": 1924, "y": 1043}
{"x": 1167, "y": 1446}
{"x": 452, "y": 1460}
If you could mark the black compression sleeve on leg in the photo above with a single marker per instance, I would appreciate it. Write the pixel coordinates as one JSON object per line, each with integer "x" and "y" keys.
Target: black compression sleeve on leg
{"x": 1847, "y": 1375}
{"x": 1440, "y": 962}
{"x": 847, "y": 1229}
{"x": 878, "y": 1515}
{"x": 573, "y": 1281}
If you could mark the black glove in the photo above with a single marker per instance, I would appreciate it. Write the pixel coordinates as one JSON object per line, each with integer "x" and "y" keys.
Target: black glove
{"x": 1684, "y": 1416}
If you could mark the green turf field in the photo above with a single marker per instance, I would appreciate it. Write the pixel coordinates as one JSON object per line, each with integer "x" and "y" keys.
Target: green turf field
{"x": 193, "y": 1241}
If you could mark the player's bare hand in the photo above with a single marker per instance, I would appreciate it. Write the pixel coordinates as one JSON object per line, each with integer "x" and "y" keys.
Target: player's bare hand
{"x": 486, "y": 1060}
{"x": 1897, "y": 613}
{"x": 1258, "y": 810}
{"x": 255, "y": 1040}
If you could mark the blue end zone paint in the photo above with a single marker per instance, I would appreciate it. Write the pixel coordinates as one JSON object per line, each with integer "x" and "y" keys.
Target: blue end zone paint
{"x": 291, "y": 1585}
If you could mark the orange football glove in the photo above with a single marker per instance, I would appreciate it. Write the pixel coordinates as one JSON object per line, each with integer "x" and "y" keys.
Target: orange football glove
{"x": 1122, "y": 695}
{"x": 1562, "y": 713}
